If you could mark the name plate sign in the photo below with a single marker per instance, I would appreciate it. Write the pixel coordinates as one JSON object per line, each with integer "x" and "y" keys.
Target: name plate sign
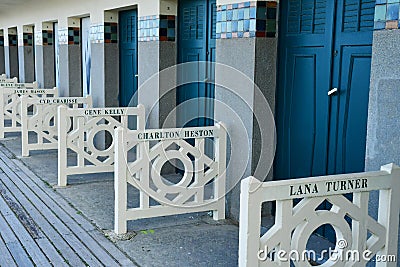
{"x": 106, "y": 112}
{"x": 31, "y": 91}
{"x": 61, "y": 100}
{"x": 12, "y": 85}
{"x": 328, "y": 187}
{"x": 178, "y": 133}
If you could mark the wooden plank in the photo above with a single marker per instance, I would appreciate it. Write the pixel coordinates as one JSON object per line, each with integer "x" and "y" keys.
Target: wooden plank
{"x": 38, "y": 183}
{"x": 6, "y": 258}
{"x": 51, "y": 253}
{"x": 46, "y": 226}
{"x": 102, "y": 246}
{"x": 61, "y": 220}
{"x": 13, "y": 245}
{"x": 73, "y": 227}
{"x": 118, "y": 255}
{"x": 23, "y": 236}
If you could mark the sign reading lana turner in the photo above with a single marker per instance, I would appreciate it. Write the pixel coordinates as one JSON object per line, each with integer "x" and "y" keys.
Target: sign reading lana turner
{"x": 80, "y": 138}
{"x": 10, "y": 106}
{"x": 294, "y": 224}
{"x": 202, "y": 187}
{"x": 39, "y": 128}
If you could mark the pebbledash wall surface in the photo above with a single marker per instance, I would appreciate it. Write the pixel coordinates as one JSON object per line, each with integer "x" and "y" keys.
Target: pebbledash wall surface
{"x": 246, "y": 38}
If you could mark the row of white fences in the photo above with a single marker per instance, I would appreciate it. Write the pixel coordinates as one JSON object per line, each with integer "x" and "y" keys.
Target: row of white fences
{"x": 202, "y": 187}
{"x": 359, "y": 237}
{"x": 137, "y": 158}
{"x": 10, "y": 104}
{"x": 39, "y": 128}
{"x": 80, "y": 139}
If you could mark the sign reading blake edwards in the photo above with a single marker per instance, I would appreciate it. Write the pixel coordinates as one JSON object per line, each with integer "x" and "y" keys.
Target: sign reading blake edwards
{"x": 171, "y": 134}
{"x": 328, "y": 187}
{"x": 12, "y": 85}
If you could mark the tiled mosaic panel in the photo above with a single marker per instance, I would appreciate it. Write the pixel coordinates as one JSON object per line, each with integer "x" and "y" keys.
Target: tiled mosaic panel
{"x": 73, "y": 35}
{"x": 97, "y": 33}
{"x": 28, "y": 39}
{"x": 387, "y": 14}
{"x": 47, "y": 37}
{"x": 157, "y": 28}
{"x": 248, "y": 19}
{"x": 111, "y": 32}
{"x": 1, "y": 40}
{"x": 12, "y": 40}
{"x": 63, "y": 36}
{"x": 104, "y": 33}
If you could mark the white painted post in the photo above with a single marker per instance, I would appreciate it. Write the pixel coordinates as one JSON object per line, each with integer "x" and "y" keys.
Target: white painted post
{"x": 220, "y": 183}
{"x": 2, "y": 126}
{"x": 250, "y": 223}
{"x": 62, "y": 147}
{"x": 388, "y": 215}
{"x": 120, "y": 183}
{"x": 24, "y": 126}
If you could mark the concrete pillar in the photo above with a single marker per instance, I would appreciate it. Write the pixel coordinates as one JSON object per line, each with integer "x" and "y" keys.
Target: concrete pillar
{"x": 11, "y": 52}
{"x": 70, "y": 58}
{"x": 157, "y": 52}
{"x": 105, "y": 59}
{"x": 44, "y": 55}
{"x": 251, "y": 49}
{"x": 2, "y": 59}
{"x": 383, "y": 114}
{"x": 26, "y": 54}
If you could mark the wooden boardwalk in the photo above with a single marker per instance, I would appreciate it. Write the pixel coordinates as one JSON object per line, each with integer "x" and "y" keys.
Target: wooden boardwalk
{"x": 39, "y": 228}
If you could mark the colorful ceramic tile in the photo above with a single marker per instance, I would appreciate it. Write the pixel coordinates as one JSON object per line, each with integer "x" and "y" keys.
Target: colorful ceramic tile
{"x": 247, "y": 19}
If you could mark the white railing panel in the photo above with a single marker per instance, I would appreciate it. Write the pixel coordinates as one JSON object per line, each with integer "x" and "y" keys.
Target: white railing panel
{"x": 4, "y": 79}
{"x": 357, "y": 242}
{"x": 43, "y": 121}
{"x": 154, "y": 149}
{"x": 80, "y": 139}
{"x": 10, "y": 106}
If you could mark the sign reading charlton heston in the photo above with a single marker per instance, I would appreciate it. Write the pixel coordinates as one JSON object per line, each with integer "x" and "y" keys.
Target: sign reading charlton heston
{"x": 185, "y": 133}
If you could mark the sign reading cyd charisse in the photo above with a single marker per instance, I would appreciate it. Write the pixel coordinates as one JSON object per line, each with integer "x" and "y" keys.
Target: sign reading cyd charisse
{"x": 185, "y": 133}
{"x": 62, "y": 100}
{"x": 326, "y": 187}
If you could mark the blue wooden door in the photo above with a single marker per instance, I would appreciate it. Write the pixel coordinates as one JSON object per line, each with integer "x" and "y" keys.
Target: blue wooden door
{"x": 197, "y": 29}
{"x": 351, "y": 75}
{"x": 323, "y": 45}
{"x": 128, "y": 56}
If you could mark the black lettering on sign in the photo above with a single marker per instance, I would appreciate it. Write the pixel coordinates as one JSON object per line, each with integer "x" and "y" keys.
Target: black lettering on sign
{"x": 304, "y": 189}
{"x": 346, "y": 185}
